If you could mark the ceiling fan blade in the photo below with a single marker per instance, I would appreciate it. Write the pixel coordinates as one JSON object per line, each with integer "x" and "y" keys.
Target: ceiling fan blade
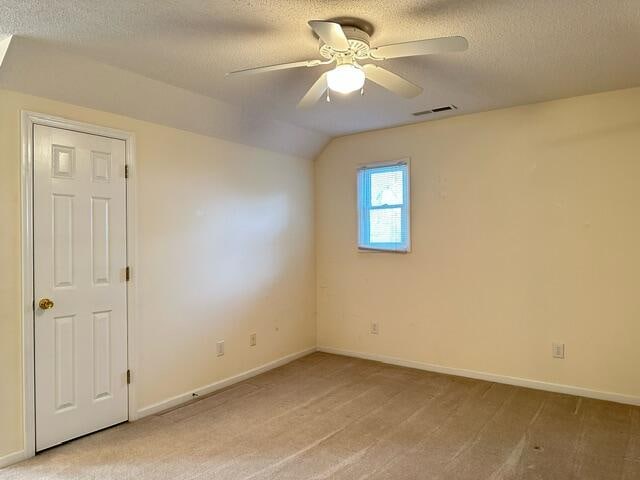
{"x": 314, "y": 93}
{"x": 391, "y": 81}
{"x": 279, "y": 66}
{"x": 330, "y": 33}
{"x": 420, "y": 47}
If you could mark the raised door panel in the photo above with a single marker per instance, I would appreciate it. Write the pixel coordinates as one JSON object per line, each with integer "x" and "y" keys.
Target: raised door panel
{"x": 65, "y": 357}
{"x": 100, "y": 240}
{"x": 101, "y": 355}
{"x": 62, "y": 240}
{"x": 100, "y": 166}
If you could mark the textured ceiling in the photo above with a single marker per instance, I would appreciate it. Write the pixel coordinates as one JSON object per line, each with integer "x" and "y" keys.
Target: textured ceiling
{"x": 521, "y": 51}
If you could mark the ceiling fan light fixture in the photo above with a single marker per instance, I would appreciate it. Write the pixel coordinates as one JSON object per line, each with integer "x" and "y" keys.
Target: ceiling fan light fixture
{"x": 348, "y": 46}
{"x": 345, "y": 78}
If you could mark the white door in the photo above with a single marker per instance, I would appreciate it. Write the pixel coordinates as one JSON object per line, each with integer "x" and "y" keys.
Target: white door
{"x": 79, "y": 243}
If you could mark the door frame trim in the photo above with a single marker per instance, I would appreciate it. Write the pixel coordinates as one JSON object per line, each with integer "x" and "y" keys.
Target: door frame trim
{"x": 28, "y": 120}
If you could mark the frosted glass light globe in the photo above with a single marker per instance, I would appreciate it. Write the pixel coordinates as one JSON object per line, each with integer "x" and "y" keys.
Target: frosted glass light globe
{"x": 345, "y": 78}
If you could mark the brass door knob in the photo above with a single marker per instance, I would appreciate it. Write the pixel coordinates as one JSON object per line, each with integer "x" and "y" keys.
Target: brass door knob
{"x": 45, "y": 304}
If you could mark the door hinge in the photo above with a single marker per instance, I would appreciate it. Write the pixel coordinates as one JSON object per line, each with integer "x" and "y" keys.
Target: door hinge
{"x": 127, "y": 273}
{"x": 126, "y": 171}
{"x": 128, "y": 377}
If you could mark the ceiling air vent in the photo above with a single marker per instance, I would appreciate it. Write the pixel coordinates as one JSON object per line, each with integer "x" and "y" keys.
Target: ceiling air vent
{"x": 435, "y": 110}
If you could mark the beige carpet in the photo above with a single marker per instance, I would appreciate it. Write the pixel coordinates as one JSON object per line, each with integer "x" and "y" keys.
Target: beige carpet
{"x": 326, "y": 416}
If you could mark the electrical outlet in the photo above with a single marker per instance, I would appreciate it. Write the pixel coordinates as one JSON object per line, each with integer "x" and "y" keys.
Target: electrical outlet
{"x": 220, "y": 348}
{"x": 557, "y": 350}
{"x": 252, "y": 340}
{"x": 375, "y": 328}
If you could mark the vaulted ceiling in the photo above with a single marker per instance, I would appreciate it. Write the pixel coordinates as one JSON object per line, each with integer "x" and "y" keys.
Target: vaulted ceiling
{"x": 521, "y": 51}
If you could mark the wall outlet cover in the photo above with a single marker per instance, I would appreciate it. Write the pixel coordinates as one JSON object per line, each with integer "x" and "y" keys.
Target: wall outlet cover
{"x": 375, "y": 328}
{"x": 557, "y": 350}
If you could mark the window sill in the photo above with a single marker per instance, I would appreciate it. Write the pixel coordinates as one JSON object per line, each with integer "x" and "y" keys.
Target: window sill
{"x": 381, "y": 250}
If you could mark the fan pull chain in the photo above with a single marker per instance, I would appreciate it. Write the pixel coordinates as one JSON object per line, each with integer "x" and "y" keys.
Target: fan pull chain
{"x": 328, "y": 97}
{"x": 362, "y": 91}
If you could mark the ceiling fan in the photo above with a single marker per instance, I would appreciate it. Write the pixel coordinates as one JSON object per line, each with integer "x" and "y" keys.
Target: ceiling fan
{"x": 347, "y": 46}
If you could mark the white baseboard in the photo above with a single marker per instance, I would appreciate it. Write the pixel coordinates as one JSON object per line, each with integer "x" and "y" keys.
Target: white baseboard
{"x": 12, "y": 458}
{"x": 187, "y": 396}
{"x": 491, "y": 377}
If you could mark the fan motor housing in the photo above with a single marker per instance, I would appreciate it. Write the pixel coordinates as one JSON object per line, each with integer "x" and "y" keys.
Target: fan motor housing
{"x": 358, "y": 45}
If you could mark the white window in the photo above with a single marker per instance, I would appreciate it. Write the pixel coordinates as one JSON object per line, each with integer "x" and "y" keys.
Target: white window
{"x": 383, "y": 207}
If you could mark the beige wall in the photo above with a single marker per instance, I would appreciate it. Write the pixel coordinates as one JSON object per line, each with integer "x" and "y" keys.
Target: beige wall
{"x": 225, "y": 236}
{"x": 525, "y": 231}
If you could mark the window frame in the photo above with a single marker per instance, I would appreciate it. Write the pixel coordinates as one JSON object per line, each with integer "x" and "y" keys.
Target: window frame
{"x": 363, "y": 211}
